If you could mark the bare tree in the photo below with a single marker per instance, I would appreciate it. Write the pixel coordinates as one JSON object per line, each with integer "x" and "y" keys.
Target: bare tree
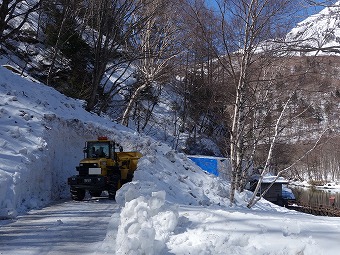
{"x": 201, "y": 102}
{"x": 61, "y": 16}
{"x": 155, "y": 45}
{"x": 110, "y": 25}
{"x": 248, "y": 65}
{"x": 255, "y": 197}
{"x": 245, "y": 25}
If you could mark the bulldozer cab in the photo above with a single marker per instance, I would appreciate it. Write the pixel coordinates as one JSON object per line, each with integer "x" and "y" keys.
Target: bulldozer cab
{"x": 98, "y": 149}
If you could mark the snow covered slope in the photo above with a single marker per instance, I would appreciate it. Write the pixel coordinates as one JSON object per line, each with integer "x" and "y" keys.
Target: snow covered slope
{"x": 321, "y": 30}
{"x": 42, "y": 134}
{"x": 40, "y": 143}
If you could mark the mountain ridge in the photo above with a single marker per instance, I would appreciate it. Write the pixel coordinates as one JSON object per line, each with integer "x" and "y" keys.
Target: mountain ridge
{"x": 320, "y": 31}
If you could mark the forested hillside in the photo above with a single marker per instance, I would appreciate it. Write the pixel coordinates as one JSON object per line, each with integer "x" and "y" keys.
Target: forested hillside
{"x": 222, "y": 80}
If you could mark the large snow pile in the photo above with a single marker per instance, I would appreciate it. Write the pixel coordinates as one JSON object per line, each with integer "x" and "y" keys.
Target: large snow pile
{"x": 42, "y": 136}
{"x": 146, "y": 225}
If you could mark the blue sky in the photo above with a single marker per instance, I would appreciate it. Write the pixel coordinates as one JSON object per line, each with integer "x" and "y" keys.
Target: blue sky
{"x": 304, "y": 13}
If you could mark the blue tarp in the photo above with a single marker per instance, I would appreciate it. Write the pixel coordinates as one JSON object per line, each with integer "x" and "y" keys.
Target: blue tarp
{"x": 207, "y": 164}
{"x": 287, "y": 193}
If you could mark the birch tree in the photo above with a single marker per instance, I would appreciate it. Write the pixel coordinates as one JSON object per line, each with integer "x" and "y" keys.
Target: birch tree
{"x": 245, "y": 26}
{"x": 154, "y": 44}
{"x": 255, "y": 197}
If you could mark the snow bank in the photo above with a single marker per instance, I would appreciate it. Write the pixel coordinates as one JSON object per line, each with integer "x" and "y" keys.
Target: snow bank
{"x": 42, "y": 136}
{"x": 161, "y": 169}
{"x": 42, "y": 133}
{"x": 145, "y": 225}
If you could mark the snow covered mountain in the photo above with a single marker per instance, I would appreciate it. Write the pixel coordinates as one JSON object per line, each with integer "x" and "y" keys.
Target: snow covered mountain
{"x": 319, "y": 33}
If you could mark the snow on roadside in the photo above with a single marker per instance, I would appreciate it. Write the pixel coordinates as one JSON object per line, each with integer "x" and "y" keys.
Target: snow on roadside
{"x": 42, "y": 133}
{"x": 42, "y": 136}
{"x": 145, "y": 225}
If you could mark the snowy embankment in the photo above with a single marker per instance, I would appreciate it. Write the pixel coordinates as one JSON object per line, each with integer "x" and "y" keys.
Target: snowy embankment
{"x": 42, "y": 134}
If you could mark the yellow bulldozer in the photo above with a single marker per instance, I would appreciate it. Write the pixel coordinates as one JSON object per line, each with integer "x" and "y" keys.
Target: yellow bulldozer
{"x": 105, "y": 167}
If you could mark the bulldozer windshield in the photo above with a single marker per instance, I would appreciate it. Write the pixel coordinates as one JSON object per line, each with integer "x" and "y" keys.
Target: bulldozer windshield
{"x": 98, "y": 150}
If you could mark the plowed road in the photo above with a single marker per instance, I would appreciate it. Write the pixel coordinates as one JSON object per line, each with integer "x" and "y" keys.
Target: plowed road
{"x": 67, "y": 227}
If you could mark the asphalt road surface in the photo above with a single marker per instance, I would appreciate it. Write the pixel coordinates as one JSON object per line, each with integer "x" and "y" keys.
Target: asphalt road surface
{"x": 68, "y": 227}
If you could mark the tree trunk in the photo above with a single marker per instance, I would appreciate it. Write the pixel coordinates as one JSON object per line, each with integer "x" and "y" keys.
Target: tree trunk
{"x": 133, "y": 99}
{"x": 56, "y": 46}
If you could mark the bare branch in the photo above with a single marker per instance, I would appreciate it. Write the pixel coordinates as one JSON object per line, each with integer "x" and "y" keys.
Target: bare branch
{"x": 256, "y": 198}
